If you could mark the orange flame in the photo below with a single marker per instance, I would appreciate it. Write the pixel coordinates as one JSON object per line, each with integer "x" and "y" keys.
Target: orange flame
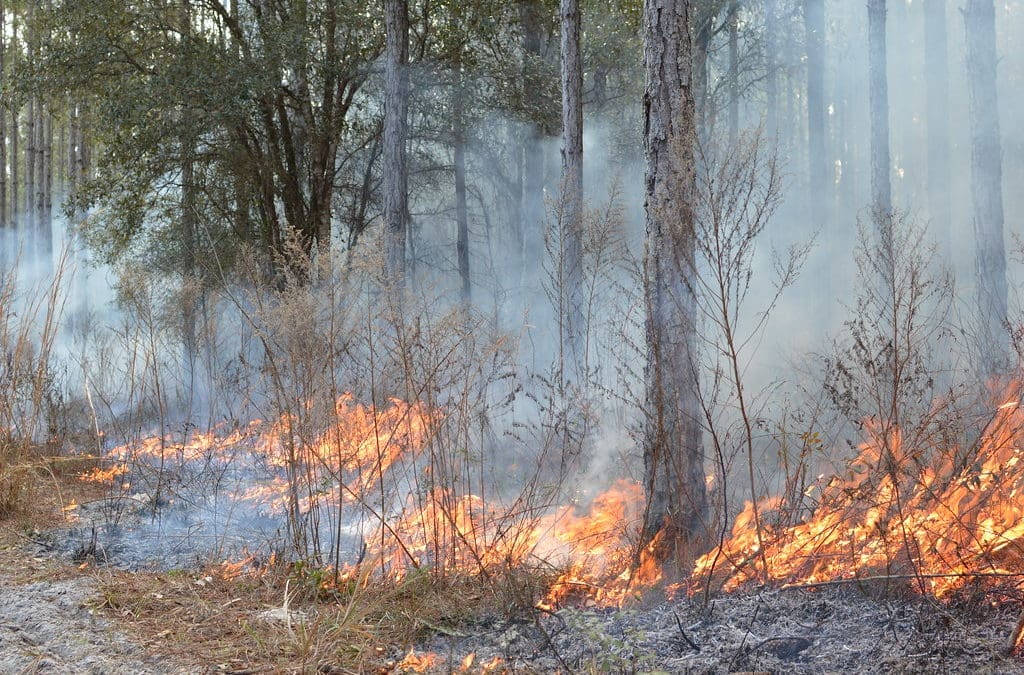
{"x": 937, "y": 520}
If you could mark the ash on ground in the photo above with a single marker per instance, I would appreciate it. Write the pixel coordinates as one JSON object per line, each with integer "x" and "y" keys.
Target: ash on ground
{"x": 833, "y": 630}
{"x": 49, "y": 627}
{"x": 134, "y": 533}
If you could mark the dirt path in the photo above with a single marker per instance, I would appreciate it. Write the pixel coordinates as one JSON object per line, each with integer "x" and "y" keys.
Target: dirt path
{"x": 48, "y": 627}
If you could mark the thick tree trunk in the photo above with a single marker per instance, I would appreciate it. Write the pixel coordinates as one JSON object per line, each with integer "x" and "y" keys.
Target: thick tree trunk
{"x": 572, "y": 188}
{"x": 817, "y": 158}
{"x": 937, "y": 82}
{"x": 987, "y": 184}
{"x": 673, "y": 451}
{"x": 396, "y": 107}
{"x": 533, "y": 149}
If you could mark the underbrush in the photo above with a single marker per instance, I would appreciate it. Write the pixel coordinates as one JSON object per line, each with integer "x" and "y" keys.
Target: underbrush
{"x": 287, "y": 619}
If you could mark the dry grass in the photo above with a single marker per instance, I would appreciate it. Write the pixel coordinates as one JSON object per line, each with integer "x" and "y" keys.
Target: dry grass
{"x": 265, "y": 624}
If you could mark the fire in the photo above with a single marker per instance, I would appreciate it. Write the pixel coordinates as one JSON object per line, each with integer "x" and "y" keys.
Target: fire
{"x": 109, "y": 475}
{"x": 937, "y": 519}
{"x": 362, "y": 449}
{"x": 418, "y": 663}
{"x": 932, "y": 516}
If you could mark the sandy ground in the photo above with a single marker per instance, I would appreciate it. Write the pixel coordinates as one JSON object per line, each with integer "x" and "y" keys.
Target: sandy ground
{"x": 49, "y": 627}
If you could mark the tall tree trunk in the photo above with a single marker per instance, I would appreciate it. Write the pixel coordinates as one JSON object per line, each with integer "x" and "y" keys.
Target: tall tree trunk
{"x": 703, "y": 16}
{"x": 533, "y": 148}
{"x": 878, "y": 102}
{"x": 937, "y": 83}
{"x": 30, "y": 171}
{"x": 48, "y": 176}
{"x": 734, "y": 71}
{"x": 44, "y": 240}
{"x": 3, "y": 143}
{"x": 461, "y": 209}
{"x": 673, "y": 451}
{"x": 396, "y": 106}
{"x": 817, "y": 158}
{"x": 187, "y": 220}
{"x": 571, "y": 235}
{"x": 771, "y": 37}
{"x": 15, "y": 159}
{"x": 15, "y": 162}
{"x": 987, "y": 184}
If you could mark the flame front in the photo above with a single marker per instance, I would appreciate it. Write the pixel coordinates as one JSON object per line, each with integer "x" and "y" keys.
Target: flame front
{"x": 938, "y": 519}
{"x": 370, "y": 461}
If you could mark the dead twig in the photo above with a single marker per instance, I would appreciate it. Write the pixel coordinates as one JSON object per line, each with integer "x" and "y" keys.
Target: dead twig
{"x": 686, "y": 637}
{"x": 1013, "y": 646}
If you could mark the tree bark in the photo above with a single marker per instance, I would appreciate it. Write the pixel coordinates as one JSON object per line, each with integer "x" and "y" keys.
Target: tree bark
{"x": 15, "y": 162}
{"x": 15, "y": 158}
{"x": 878, "y": 102}
{"x": 937, "y": 84}
{"x": 461, "y": 209}
{"x": 571, "y": 235}
{"x": 3, "y": 146}
{"x": 817, "y": 158}
{"x": 396, "y": 107}
{"x": 48, "y": 176}
{"x": 673, "y": 451}
{"x": 734, "y": 71}
{"x": 771, "y": 30}
{"x": 533, "y": 149}
{"x": 987, "y": 184}
{"x": 30, "y": 167}
{"x": 703, "y": 16}
{"x": 188, "y": 223}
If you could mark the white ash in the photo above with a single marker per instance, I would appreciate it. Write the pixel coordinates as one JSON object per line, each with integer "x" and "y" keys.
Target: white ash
{"x": 49, "y": 628}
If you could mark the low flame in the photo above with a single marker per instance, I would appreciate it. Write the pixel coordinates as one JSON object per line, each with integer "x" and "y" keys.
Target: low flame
{"x": 939, "y": 520}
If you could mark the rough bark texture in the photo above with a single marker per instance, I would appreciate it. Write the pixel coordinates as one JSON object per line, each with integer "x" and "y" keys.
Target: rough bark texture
{"x": 987, "y": 184}
{"x": 673, "y": 453}
{"x": 396, "y": 107}
{"x": 572, "y": 181}
{"x": 878, "y": 101}
{"x": 937, "y": 83}
{"x": 817, "y": 167}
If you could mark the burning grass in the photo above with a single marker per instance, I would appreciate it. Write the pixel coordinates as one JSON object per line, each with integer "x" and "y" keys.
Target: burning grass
{"x": 435, "y": 559}
{"x": 940, "y": 518}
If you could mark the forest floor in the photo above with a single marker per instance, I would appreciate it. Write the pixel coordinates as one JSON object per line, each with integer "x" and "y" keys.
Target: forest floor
{"x": 64, "y": 615}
